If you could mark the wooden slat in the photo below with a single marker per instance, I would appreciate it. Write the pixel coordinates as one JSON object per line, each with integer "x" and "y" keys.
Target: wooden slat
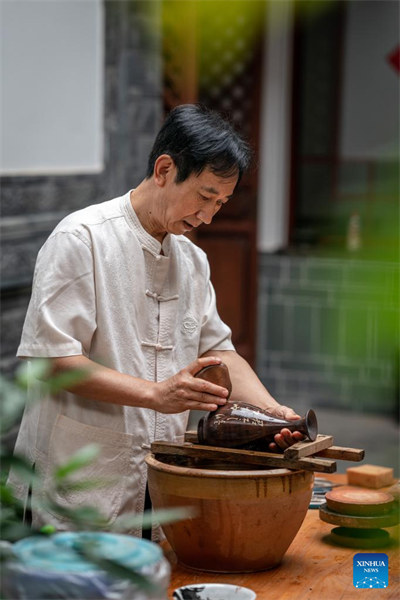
{"x": 191, "y": 436}
{"x": 243, "y": 457}
{"x": 307, "y": 448}
{"x": 334, "y": 452}
{"x": 341, "y": 453}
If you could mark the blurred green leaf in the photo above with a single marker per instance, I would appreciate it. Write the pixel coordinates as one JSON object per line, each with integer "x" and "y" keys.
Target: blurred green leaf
{"x": 48, "y": 529}
{"x": 13, "y": 531}
{"x": 150, "y": 518}
{"x": 37, "y": 369}
{"x": 21, "y": 467}
{"x": 35, "y": 376}
{"x": 7, "y": 513}
{"x": 92, "y": 553}
{"x": 6, "y": 551}
{"x": 77, "y": 486}
{"x": 82, "y": 517}
{"x": 80, "y": 459}
{"x": 66, "y": 380}
{"x": 8, "y": 498}
{"x": 12, "y": 404}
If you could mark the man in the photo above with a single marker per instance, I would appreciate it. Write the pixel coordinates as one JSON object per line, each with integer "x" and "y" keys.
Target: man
{"x": 120, "y": 292}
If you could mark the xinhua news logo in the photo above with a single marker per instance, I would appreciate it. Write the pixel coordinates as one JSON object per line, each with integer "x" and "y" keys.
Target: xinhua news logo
{"x": 370, "y": 570}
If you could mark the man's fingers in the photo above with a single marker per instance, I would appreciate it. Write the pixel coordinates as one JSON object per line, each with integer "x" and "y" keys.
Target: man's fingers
{"x": 206, "y": 387}
{"x": 205, "y": 398}
{"x": 202, "y": 406}
{"x": 202, "y": 362}
{"x": 287, "y": 413}
{"x": 285, "y": 438}
{"x": 280, "y": 441}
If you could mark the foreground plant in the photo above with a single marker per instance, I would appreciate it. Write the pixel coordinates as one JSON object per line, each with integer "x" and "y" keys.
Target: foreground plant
{"x": 64, "y": 478}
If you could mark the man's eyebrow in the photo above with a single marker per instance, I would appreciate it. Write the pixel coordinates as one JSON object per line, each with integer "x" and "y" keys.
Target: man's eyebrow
{"x": 212, "y": 190}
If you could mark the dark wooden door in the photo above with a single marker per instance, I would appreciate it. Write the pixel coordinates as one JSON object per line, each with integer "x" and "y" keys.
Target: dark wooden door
{"x": 212, "y": 54}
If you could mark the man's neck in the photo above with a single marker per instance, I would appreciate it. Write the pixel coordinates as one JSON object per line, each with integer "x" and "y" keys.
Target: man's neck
{"x": 144, "y": 203}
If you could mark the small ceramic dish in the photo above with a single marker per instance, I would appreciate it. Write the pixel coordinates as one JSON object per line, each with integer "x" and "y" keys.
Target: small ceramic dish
{"x": 213, "y": 591}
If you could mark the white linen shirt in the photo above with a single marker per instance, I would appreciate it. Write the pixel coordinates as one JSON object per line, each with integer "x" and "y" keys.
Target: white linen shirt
{"x": 103, "y": 287}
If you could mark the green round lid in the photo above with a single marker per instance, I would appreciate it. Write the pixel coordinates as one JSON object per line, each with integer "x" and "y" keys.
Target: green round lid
{"x": 56, "y": 553}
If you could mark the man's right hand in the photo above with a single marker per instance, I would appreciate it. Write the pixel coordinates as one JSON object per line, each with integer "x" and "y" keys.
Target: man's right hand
{"x": 184, "y": 391}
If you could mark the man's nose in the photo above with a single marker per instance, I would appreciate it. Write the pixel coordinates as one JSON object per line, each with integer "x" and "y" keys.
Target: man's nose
{"x": 206, "y": 215}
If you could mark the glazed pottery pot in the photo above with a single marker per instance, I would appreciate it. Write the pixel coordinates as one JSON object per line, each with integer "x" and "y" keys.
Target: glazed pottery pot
{"x": 244, "y": 519}
{"x": 237, "y": 424}
{"x": 240, "y": 424}
{"x": 52, "y": 567}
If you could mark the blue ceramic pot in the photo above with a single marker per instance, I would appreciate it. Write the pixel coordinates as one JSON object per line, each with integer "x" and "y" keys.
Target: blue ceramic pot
{"x": 51, "y": 567}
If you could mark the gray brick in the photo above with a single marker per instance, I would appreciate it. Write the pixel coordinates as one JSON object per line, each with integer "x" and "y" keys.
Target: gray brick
{"x": 295, "y": 273}
{"x": 293, "y": 294}
{"x": 387, "y": 335}
{"x": 275, "y": 323}
{"x": 324, "y": 273}
{"x": 353, "y": 330}
{"x": 301, "y": 364}
{"x": 356, "y": 339}
{"x": 329, "y": 330}
{"x": 375, "y": 398}
{"x": 13, "y": 311}
{"x": 302, "y": 341}
{"x": 271, "y": 271}
{"x": 349, "y": 370}
{"x": 365, "y": 274}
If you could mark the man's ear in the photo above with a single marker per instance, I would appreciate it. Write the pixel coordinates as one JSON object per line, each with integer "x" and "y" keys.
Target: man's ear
{"x": 164, "y": 169}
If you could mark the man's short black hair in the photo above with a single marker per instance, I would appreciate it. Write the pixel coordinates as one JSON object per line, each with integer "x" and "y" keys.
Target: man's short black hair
{"x": 196, "y": 138}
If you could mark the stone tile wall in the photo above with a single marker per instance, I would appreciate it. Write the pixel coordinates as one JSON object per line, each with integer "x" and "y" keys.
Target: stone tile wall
{"x": 329, "y": 332}
{"x": 32, "y": 206}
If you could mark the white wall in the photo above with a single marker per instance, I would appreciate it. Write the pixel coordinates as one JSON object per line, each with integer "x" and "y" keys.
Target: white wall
{"x": 370, "y": 101}
{"x": 275, "y": 129}
{"x": 52, "y": 86}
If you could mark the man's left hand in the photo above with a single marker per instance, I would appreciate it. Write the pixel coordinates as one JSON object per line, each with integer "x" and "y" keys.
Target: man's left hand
{"x": 285, "y": 438}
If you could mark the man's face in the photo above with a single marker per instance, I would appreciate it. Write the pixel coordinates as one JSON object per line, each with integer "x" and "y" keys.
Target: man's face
{"x": 195, "y": 201}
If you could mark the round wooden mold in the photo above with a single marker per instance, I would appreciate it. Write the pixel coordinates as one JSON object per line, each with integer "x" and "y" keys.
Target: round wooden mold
{"x": 355, "y": 501}
{"x": 359, "y": 522}
{"x": 359, "y": 538}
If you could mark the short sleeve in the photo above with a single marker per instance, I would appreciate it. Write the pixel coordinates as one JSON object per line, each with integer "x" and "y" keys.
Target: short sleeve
{"x": 61, "y": 317}
{"x": 215, "y": 334}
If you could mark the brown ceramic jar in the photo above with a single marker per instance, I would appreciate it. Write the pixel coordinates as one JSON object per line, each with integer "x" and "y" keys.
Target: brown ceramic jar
{"x": 238, "y": 424}
{"x": 244, "y": 519}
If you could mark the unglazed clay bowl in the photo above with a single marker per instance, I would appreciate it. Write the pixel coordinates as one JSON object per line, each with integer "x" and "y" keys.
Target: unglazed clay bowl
{"x": 245, "y": 519}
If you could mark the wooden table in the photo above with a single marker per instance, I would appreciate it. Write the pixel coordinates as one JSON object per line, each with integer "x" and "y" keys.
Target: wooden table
{"x": 311, "y": 569}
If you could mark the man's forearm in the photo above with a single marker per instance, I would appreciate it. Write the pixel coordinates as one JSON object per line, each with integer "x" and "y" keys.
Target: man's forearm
{"x": 178, "y": 393}
{"x": 104, "y": 384}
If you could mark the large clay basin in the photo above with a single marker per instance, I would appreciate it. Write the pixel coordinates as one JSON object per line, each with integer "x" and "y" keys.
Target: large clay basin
{"x": 245, "y": 520}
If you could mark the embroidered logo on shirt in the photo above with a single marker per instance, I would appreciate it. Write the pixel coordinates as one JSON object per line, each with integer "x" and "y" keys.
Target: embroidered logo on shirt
{"x": 189, "y": 325}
